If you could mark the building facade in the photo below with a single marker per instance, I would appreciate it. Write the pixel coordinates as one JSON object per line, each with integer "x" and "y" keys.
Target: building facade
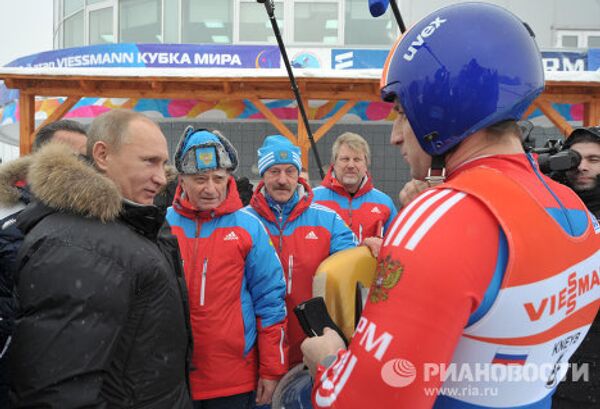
{"x": 319, "y": 34}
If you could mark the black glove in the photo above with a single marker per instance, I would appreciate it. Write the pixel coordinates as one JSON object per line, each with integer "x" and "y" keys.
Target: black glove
{"x": 245, "y": 189}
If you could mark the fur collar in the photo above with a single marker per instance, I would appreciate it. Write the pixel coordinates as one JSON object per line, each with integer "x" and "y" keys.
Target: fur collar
{"x": 11, "y": 173}
{"x": 63, "y": 181}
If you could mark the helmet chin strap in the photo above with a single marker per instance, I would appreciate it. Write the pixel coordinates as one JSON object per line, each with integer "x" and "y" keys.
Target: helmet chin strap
{"x": 437, "y": 172}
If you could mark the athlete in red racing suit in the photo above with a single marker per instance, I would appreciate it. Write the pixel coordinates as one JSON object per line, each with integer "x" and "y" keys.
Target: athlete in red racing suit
{"x": 488, "y": 283}
{"x": 418, "y": 288}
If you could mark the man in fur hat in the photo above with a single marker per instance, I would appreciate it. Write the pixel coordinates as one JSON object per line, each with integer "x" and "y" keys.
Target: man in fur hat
{"x": 235, "y": 280}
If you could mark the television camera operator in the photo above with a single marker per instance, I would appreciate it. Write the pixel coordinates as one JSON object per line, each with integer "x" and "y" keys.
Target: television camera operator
{"x": 584, "y": 179}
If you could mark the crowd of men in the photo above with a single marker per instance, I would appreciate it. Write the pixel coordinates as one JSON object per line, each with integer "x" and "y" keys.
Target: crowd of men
{"x": 108, "y": 300}
{"x": 105, "y": 294}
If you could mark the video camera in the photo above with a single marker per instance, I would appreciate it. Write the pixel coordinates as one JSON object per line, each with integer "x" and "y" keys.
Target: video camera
{"x": 553, "y": 159}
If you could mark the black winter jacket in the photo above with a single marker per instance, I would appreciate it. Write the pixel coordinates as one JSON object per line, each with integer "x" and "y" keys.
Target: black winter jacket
{"x": 13, "y": 198}
{"x": 102, "y": 319}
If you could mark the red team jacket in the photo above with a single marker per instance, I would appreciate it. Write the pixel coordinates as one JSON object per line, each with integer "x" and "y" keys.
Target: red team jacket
{"x": 368, "y": 212}
{"x": 236, "y": 295}
{"x": 496, "y": 270}
{"x": 303, "y": 239}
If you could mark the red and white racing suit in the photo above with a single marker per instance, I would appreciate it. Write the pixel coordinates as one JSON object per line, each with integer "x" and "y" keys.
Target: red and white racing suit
{"x": 486, "y": 285}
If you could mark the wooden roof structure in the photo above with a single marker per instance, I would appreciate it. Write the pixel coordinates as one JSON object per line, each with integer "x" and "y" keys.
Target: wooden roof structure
{"x": 255, "y": 86}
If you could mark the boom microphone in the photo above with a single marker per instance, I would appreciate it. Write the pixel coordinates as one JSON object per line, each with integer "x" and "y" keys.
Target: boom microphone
{"x": 378, "y": 7}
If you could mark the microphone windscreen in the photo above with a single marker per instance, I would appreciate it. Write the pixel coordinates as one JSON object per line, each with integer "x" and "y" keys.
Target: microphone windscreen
{"x": 378, "y": 7}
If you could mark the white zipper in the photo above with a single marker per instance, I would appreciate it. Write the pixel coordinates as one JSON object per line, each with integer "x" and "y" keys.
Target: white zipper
{"x": 281, "y": 347}
{"x": 203, "y": 285}
{"x": 360, "y": 233}
{"x": 9, "y": 339}
{"x": 290, "y": 270}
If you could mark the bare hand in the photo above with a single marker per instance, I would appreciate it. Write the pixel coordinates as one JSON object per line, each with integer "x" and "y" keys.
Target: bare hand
{"x": 317, "y": 348}
{"x": 411, "y": 190}
{"x": 374, "y": 244}
{"x": 264, "y": 391}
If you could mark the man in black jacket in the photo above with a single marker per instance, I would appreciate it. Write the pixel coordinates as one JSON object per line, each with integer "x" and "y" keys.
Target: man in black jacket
{"x": 103, "y": 316}
{"x": 584, "y": 393}
{"x": 14, "y": 196}
{"x": 585, "y": 179}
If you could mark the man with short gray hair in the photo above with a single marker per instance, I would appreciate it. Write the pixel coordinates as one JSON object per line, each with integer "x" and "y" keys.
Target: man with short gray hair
{"x": 234, "y": 278}
{"x": 348, "y": 189}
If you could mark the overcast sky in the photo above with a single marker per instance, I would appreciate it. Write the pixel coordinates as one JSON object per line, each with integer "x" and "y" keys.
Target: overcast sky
{"x": 25, "y": 28}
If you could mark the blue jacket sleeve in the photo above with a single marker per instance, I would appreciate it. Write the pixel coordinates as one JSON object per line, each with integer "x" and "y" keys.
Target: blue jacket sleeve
{"x": 264, "y": 277}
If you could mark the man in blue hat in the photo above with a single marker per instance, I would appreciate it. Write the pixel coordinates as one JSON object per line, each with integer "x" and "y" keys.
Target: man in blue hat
{"x": 304, "y": 233}
{"x": 234, "y": 278}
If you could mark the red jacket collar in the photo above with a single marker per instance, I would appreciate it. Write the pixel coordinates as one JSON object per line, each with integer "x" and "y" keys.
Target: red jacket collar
{"x": 506, "y": 162}
{"x": 231, "y": 203}
{"x": 332, "y": 183}
{"x": 259, "y": 202}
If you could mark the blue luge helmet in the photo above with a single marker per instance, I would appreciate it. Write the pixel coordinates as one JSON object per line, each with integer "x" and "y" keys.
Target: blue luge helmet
{"x": 461, "y": 69}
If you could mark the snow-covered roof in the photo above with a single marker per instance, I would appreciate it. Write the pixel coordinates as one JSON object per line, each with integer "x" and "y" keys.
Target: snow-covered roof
{"x": 567, "y": 76}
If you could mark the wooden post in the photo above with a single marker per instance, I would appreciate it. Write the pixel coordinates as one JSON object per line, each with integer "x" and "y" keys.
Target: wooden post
{"x": 555, "y": 117}
{"x": 334, "y": 119}
{"x": 591, "y": 113}
{"x": 26, "y": 121}
{"x": 59, "y": 112}
{"x": 276, "y": 122}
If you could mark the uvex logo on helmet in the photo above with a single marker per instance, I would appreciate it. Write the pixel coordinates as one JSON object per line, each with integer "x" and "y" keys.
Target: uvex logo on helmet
{"x": 426, "y": 32}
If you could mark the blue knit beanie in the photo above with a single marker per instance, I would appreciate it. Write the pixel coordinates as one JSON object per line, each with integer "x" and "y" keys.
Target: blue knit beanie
{"x": 278, "y": 150}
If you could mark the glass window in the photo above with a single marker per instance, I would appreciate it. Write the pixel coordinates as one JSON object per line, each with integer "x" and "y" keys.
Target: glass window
{"x": 71, "y": 6}
{"x": 570, "y": 41}
{"x": 140, "y": 21}
{"x": 88, "y": 2}
{"x": 316, "y": 23}
{"x": 73, "y": 31}
{"x": 207, "y": 21}
{"x": 255, "y": 24}
{"x": 171, "y": 27}
{"x": 101, "y": 26}
{"x": 594, "y": 41}
{"x": 362, "y": 29}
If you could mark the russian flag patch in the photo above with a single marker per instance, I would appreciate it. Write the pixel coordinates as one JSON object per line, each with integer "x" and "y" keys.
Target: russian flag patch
{"x": 510, "y": 357}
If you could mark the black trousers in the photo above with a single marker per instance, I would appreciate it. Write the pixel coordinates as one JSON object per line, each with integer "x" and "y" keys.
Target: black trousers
{"x": 241, "y": 401}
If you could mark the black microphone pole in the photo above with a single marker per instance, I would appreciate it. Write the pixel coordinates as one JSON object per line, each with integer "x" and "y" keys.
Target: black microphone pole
{"x": 399, "y": 20}
{"x": 270, "y": 7}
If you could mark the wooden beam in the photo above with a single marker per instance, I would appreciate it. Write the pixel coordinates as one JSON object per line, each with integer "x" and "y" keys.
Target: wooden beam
{"x": 89, "y": 87}
{"x": 276, "y": 122}
{"x": 556, "y": 118}
{"x": 26, "y": 121}
{"x": 157, "y": 86}
{"x": 303, "y": 140}
{"x": 305, "y": 151}
{"x": 591, "y": 113}
{"x": 529, "y": 111}
{"x": 59, "y": 112}
{"x": 334, "y": 119}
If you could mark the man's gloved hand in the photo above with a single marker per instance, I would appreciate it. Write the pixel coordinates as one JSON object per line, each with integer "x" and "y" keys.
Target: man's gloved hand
{"x": 245, "y": 189}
